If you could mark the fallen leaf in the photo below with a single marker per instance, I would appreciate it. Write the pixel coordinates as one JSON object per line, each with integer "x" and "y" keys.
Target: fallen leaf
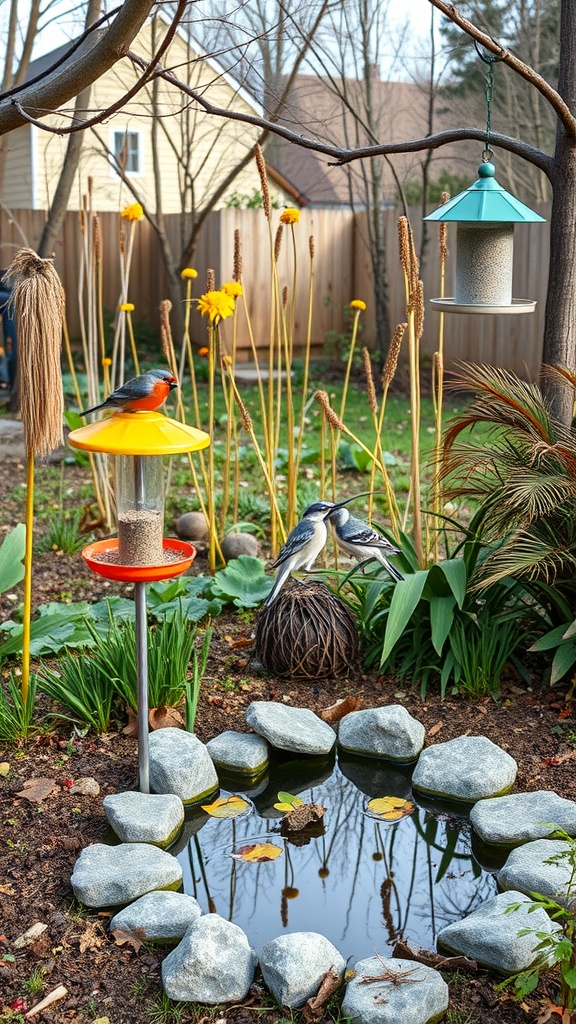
{"x": 342, "y": 707}
{"x": 131, "y": 729}
{"x": 86, "y": 787}
{"x": 566, "y": 712}
{"x": 287, "y": 802}
{"x": 227, "y": 807}
{"x": 435, "y": 728}
{"x": 6, "y": 890}
{"x": 91, "y": 938}
{"x": 134, "y": 938}
{"x": 300, "y": 817}
{"x": 36, "y": 790}
{"x": 256, "y": 853}
{"x": 4, "y": 768}
{"x": 389, "y": 808}
{"x": 165, "y": 718}
{"x": 242, "y": 641}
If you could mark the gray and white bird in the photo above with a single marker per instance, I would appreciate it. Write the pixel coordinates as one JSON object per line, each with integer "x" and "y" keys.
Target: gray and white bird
{"x": 359, "y": 540}
{"x": 303, "y": 545}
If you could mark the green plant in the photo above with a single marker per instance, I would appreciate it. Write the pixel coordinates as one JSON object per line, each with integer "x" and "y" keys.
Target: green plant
{"x": 12, "y": 558}
{"x": 63, "y": 533}
{"x": 193, "y": 682}
{"x": 243, "y": 582}
{"x": 83, "y": 687}
{"x": 559, "y": 948}
{"x": 433, "y": 625}
{"x": 15, "y": 714}
{"x": 34, "y": 983}
{"x": 164, "y": 1011}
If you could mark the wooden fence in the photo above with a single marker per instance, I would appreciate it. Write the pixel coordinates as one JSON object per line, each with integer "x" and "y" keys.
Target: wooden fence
{"x": 341, "y": 272}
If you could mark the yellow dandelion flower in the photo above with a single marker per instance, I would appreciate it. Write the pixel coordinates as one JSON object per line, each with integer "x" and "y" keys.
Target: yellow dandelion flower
{"x": 106, "y": 361}
{"x": 132, "y": 212}
{"x": 127, "y": 307}
{"x": 216, "y": 305}
{"x": 203, "y": 351}
{"x": 357, "y": 304}
{"x": 188, "y": 273}
{"x": 290, "y": 215}
{"x": 232, "y": 288}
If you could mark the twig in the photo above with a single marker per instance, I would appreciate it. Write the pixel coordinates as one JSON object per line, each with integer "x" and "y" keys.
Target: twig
{"x": 52, "y": 997}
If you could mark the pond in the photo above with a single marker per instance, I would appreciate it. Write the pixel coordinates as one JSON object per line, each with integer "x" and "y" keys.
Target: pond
{"x": 361, "y": 882}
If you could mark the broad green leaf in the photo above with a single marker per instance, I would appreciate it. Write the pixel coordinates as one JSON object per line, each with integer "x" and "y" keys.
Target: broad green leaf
{"x": 11, "y": 558}
{"x": 441, "y": 619}
{"x": 549, "y": 640}
{"x": 227, "y": 807}
{"x": 563, "y": 660}
{"x": 406, "y": 596}
{"x": 569, "y": 975}
{"x": 243, "y": 582}
{"x": 454, "y": 570}
{"x": 571, "y": 631}
{"x": 525, "y": 983}
{"x": 287, "y": 802}
{"x": 258, "y": 852}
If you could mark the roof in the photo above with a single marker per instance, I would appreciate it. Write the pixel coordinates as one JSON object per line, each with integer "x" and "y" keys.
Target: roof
{"x": 317, "y": 111}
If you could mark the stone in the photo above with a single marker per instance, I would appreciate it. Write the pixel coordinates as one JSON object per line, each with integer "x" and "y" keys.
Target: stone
{"x": 236, "y": 544}
{"x": 107, "y": 875}
{"x": 12, "y": 443}
{"x": 295, "y": 729}
{"x": 180, "y": 764}
{"x": 527, "y": 869}
{"x": 375, "y": 778}
{"x": 522, "y": 817}
{"x": 31, "y": 936}
{"x": 213, "y": 963}
{"x": 422, "y": 999}
{"x": 293, "y": 966}
{"x": 192, "y": 526}
{"x": 158, "y": 916}
{"x": 467, "y": 768}
{"x": 239, "y": 752}
{"x": 388, "y": 732}
{"x": 145, "y": 817}
{"x": 86, "y": 786}
{"x": 489, "y": 935}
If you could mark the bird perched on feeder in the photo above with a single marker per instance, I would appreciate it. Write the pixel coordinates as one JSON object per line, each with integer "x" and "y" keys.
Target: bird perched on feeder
{"x": 140, "y": 394}
{"x": 303, "y": 545}
{"x": 359, "y": 540}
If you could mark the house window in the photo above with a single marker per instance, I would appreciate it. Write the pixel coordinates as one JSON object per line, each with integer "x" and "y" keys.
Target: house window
{"x": 127, "y": 151}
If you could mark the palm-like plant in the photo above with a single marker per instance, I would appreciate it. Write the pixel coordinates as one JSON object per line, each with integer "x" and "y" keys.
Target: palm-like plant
{"x": 522, "y": 470}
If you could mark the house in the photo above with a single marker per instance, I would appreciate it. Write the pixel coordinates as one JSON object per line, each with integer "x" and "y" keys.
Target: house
{"x": 337, "y": 112}
{"x": 195, "y": 153}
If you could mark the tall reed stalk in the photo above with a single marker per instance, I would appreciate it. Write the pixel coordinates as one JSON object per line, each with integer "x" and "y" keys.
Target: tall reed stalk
{"x": 415, "y": 318}
{"x": 438, "y": 385}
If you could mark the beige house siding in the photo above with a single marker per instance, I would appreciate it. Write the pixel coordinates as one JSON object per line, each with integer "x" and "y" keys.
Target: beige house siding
{"x": 17, "y": 185}
{"x": 214, "y": 145}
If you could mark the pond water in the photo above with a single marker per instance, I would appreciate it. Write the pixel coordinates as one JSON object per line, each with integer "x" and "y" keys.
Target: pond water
{"x": 363, "y": 883}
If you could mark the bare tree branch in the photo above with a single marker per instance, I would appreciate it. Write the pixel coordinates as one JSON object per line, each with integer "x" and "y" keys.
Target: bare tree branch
{"x": 524, "y": 70}
{"x": 343, "y": 156}
{"x": 56, "y": 89}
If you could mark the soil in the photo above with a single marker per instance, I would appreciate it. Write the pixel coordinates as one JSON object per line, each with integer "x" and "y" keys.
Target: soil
{"x": 41, "y": 839}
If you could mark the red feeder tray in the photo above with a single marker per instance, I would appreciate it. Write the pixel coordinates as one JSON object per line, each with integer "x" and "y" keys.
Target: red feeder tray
{"x": 138, "y": 573}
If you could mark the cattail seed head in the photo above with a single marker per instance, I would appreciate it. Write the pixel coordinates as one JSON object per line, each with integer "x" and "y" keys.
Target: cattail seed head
{"x": 419, "y": 309}
{"x": 96, "y": 238}
{"x": 261, "y": 165}
{"x": 237, "y": 274}
{"x": 311, "y": 246}
{"x": 82, "y": 219}
{"x": 165, "y": 332}
{"x": 121, "y": 239}
{"x": 370, "y": 389}
{"x": 278, "y": 242}
{"x": 210, "y": 280}
{"x": 285, "y": 296}
{"x": 443, "y": 242}
{"x": 392, "y": 357}
{"x": 404, "y": 245}
{"x": 324, "y": 402}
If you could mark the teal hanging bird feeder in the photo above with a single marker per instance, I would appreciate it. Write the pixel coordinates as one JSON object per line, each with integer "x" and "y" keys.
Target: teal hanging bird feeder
{"x": 485, "y": 214}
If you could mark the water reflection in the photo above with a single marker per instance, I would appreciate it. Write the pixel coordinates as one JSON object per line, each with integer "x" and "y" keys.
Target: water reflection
{"x": 361, "y": 882}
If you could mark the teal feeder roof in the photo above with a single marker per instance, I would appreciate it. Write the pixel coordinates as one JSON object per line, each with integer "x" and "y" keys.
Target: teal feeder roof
{"x": 485, "y": 202}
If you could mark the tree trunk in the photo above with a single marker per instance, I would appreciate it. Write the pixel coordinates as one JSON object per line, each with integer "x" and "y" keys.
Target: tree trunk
{"x": 560, "y": 322}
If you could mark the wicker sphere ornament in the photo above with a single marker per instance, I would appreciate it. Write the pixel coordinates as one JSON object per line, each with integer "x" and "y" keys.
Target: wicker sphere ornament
{"x": 307, "y": 633}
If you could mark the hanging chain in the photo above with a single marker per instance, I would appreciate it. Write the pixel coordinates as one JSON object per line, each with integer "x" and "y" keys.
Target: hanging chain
{"x": 489, "y": 59}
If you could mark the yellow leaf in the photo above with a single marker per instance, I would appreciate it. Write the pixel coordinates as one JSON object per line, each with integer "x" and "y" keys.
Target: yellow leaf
{"x": 283, "y": 807}
{"x": 227, "y": 807}
{"x": 390, "y": 808}
{"x": 258, "y": 852}
{"x": 4, "y": 768}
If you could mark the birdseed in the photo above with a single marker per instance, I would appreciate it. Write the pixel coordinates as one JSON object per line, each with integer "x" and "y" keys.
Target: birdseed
{"x": 140, "y": 537}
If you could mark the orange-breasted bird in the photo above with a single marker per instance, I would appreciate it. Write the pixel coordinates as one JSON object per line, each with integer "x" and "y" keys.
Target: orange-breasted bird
{"x": 140, "y": 394}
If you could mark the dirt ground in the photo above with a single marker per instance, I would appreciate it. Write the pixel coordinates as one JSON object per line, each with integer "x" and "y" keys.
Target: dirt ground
{"x": 40, "y": 841}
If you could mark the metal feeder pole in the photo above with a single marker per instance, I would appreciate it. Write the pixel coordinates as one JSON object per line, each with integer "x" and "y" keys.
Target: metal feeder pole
{"x": 142, "y": 652}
